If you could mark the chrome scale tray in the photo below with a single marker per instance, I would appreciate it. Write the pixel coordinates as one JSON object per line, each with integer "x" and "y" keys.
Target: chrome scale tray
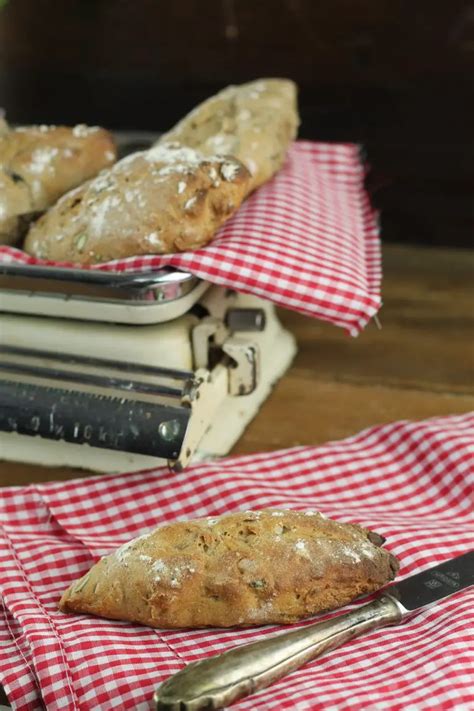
{"x": 137, "y": 298}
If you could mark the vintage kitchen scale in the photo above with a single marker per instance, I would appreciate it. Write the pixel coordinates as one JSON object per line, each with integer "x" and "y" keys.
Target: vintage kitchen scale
{"x": 115, "y": 372}
{"x": 120, "y": 371}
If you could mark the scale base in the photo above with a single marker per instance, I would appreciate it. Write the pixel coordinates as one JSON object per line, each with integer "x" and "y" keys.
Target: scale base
{"x": 277, "y": 349}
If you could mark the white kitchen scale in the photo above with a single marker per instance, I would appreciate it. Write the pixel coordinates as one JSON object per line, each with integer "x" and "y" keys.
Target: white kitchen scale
{"x": 116, "y": 372}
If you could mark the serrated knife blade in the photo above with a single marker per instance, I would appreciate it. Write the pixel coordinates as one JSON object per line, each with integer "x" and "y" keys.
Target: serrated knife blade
{"x": 222, "y": 679}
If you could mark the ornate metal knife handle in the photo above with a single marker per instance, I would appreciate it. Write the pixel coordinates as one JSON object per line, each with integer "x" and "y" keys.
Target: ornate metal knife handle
{"x": 217, "y": 681}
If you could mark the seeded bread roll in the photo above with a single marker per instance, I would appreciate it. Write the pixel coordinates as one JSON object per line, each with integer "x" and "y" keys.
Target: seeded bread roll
{"x": 248, "y": 568}
{"x": 167, "y": 199}
{"x": 38, "y": 164}
{"x": 254, "y": 122}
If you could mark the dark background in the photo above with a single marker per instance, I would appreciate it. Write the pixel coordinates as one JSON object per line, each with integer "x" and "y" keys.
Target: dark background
{"x": 395, "y": 76}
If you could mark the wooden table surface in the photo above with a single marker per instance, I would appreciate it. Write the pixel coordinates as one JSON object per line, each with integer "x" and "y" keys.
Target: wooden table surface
{"x": 420, "y": 364}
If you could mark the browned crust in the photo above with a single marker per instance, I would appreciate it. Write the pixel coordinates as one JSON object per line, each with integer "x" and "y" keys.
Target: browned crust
{"x": 248, "y": 568}
{"x": 38, "y": 164}
{"x": 255, "y": 122}
{"x": 168, "y": 199}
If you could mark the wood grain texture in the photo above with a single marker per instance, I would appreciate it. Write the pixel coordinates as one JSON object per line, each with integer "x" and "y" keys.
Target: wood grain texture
{"x": 420, "y": 364}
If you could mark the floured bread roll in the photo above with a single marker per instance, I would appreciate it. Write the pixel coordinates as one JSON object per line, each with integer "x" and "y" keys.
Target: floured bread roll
{"x": 248, "y": 568}
{"x": 254, "y": 122}
{"x": 38, "y": 164}
{"x": 167, "y": 199}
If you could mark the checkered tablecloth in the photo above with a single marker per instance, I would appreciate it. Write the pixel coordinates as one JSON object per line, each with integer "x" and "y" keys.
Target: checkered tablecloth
{"x": 412, "y": 482}
{"x": 307, "y": 240}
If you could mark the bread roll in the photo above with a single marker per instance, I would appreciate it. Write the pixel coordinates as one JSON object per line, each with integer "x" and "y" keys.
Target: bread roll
{"x": 38, "y": 164}
{"x": 254, "y": 122}
{"x": 248, "y": 568}
{"x": 167, "y": 199}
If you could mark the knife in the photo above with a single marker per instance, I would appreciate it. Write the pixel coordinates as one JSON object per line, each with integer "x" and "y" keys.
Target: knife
{"x": 219, "y": 680}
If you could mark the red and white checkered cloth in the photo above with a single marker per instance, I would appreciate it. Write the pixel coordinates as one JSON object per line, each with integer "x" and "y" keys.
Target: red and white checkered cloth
{"x": 307, "y": 240}
{"x": 412, "y": 482}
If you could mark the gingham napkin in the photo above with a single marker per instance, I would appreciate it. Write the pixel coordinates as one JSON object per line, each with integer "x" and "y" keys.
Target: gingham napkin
{"x": 412, "y": 482}
{"x": 307, "y": 240}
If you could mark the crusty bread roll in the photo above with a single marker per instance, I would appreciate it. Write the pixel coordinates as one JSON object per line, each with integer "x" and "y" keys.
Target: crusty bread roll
{"x": 254, "y": 122}
{"x": 167, "y": 199}
{"x": 175, "y": 196}
{"x": 38, "y": 164}
{"x": 248, "y": 568}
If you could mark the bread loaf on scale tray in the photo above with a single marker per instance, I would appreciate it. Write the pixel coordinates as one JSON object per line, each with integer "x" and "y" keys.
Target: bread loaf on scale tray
{"x": 175, "y": 196}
